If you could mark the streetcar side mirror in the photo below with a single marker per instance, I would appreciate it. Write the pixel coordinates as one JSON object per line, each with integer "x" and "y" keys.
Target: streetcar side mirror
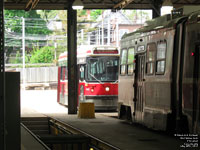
{"x": 82, "y": 73}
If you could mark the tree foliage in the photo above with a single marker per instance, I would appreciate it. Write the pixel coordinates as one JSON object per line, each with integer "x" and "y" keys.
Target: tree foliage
{"x": 135, "y": 15}
{"x": 38, "y": 25}
{"x": 13, "y": 20}
{"x": 47, "y": 14}
{"x": 43, "y": 55}
{"x": 95, "y": 14}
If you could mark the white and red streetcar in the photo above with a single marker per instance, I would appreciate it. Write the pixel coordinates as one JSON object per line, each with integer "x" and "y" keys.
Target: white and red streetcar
{"x": 98, "y": 76}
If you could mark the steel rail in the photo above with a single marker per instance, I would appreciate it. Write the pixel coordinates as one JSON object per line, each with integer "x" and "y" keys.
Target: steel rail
{"x": 95, "y": 143}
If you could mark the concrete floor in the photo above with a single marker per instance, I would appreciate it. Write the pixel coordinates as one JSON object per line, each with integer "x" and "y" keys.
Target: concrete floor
{"x": 28, "y": 142}
{"x": 104, "y": 126}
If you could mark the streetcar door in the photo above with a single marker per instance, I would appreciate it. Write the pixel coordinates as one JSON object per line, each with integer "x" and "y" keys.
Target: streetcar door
{"x": 64, "y": 86}
{"x": 139, "y": 86}
{"x": 196, "y": 89}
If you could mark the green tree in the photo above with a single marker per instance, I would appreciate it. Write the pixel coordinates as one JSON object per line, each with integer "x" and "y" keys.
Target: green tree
{"x": 13, "y": 22}
{"x": 135, "y": 15}
{"x": 42, "y": 55}
{"x": 34, "y": 25}
{"x": 95, "y": 14}
{"x": 48, "y": 14}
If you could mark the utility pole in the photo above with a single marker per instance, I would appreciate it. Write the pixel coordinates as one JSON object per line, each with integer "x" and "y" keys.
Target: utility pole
{"x": 82, "y": 37}
{"x": 102, "y": 31}
{"x": 117, "y": 32}
{"x": 23, "y": 51}
{"x": 99, "y": 36}
{"x": 108, "y": 41}
{"x": 55, "y": 46}
{"x": 89, "y": 38}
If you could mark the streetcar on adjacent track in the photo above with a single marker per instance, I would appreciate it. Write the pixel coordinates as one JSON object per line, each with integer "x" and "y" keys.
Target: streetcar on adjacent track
{"x": 159, "y": 77}
{"x": 98, "y": 76}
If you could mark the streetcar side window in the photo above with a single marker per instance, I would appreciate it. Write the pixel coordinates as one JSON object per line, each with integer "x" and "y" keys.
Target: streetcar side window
{"x": 151, "y": 51}
{"x": 131, "y": 58}
{"x": 123, "y": 62}
{"x": 161, "y": 56}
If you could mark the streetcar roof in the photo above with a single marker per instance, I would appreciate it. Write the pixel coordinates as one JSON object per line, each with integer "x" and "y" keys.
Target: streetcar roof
{"x": 154, "y": 25}
{"x": 93, "y": 50}
{"x": 166, "y": 21}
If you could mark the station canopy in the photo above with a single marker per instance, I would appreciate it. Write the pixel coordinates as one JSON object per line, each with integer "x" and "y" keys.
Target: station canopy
{"x": 92, "y": 4}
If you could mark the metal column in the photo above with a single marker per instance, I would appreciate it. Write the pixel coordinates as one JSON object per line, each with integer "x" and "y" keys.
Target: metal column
{"x": 156, "y": 8}
{"x": 2, "y": 80}
{"x": 72, "y": 59}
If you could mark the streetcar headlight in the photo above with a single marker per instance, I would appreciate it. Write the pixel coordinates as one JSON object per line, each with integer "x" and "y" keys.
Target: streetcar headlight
{"x": 92, "y": 90}
{"x": 107, "y": 89}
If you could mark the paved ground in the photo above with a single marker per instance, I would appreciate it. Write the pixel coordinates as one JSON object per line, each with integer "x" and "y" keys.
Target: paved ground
{"x": 40, "y": 101}
{"x": 105, "y": 126}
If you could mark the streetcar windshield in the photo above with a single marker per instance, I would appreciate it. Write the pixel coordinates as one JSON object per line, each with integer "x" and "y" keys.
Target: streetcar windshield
{"x": 102, "y": 69}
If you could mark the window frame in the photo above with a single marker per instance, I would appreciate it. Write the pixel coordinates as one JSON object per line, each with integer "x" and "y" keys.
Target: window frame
{"x": 161, "y": 59}
{"x": 123, "y": 65}
{"x": 128, "y": 64}
{"x": 154, "y": 58}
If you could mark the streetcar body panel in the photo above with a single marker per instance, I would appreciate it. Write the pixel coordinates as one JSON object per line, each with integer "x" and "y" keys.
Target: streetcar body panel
{"x": 161, "y": 74}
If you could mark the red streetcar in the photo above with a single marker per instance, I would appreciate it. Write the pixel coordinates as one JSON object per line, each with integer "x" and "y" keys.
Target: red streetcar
{"x": 98, "y": 76}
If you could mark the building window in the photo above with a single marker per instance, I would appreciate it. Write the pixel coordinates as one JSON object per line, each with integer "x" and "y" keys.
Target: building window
{"x": 123, "y": 62}
{"x": 151, "y": 50}
{"x": 161, "y": 56}
{"x": 131, "y": 58}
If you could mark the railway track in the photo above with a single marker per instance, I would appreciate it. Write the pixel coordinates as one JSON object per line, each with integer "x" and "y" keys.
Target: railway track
{"x": 58, "y": 135}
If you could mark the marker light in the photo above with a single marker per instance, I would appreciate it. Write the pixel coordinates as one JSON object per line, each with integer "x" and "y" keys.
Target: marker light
{"x": 192, "y": 54}
{"x": 92, "y": 90}
{"x": 107, "y": 89}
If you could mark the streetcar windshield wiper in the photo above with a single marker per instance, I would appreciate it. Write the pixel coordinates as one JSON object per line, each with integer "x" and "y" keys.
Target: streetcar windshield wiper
{"x": 95, "y": 77}
{"x": 116, "y": 81}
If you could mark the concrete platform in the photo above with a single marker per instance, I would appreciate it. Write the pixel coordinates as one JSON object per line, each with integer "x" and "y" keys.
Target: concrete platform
{"x": 105, "y": 126}
{"x": 121, "y": 134}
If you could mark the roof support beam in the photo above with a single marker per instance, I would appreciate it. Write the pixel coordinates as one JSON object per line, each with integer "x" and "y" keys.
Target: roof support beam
{"x": 31, "y": 4}
{"x": 156, "y": 5}
{"x": 122, "y": 4}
